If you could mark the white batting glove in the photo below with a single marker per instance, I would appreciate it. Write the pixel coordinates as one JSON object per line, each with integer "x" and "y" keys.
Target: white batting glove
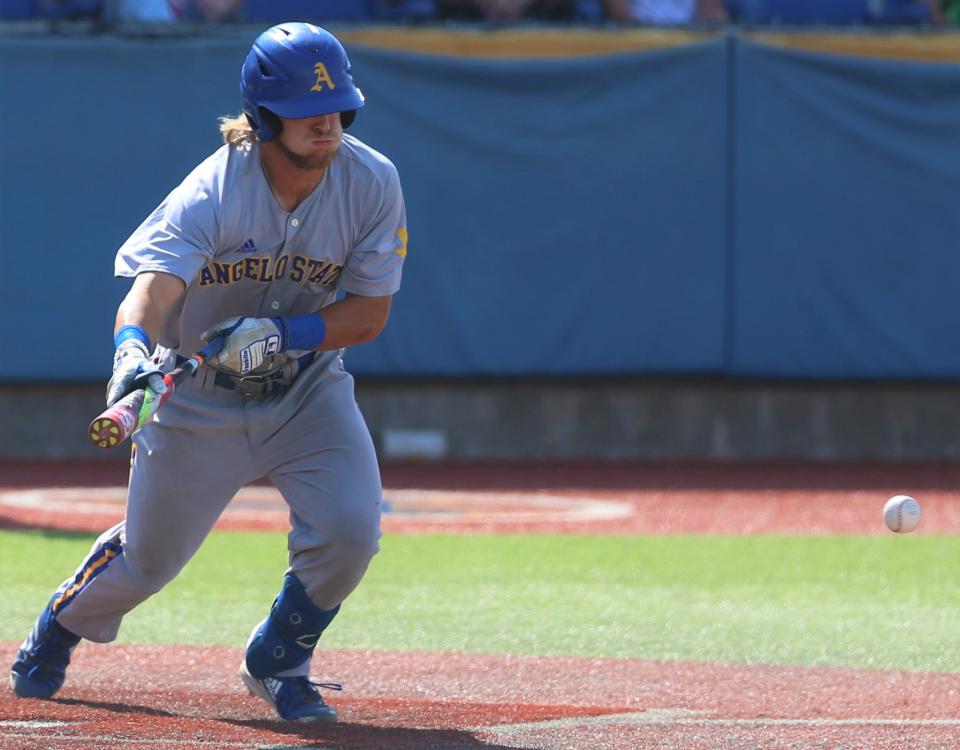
{"x": 246, "y": 342}
{"x": 132, "y": 370}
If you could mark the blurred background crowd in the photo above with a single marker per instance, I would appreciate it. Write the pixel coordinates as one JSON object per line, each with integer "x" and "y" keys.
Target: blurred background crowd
{"x": 641, "y": 12}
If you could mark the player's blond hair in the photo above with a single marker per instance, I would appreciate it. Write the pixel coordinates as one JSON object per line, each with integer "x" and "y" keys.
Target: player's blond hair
{"x": 236, "y": 131}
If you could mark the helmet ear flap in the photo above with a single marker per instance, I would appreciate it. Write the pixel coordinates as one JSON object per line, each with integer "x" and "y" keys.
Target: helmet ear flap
{"x": 269, "y": 126}
{"x": 347, "y": 118}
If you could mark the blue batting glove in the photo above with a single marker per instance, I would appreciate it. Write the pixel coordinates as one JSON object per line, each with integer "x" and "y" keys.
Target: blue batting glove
{"x": 133, "y": 369}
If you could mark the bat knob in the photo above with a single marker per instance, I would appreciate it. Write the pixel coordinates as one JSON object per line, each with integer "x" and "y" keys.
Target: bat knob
{"x": 105, "y": 433}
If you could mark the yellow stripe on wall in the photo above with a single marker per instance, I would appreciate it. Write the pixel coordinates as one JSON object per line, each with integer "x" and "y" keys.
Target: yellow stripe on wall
{"x": 558, "y": 43}
{"x": 516, "y": 43}
{"x": 920, "y": 46}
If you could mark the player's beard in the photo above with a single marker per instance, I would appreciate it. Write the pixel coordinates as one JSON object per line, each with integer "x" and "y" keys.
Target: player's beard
{"x": 310, "y": 163}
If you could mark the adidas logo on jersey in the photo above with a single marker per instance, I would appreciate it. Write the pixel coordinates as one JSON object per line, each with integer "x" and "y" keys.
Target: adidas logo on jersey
{"x": 247, "y": 247}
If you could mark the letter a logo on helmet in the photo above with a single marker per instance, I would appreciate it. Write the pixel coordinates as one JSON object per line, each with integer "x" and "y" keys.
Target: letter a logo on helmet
{"x": 296, "y": 70}
{"x": 323, "y": 78}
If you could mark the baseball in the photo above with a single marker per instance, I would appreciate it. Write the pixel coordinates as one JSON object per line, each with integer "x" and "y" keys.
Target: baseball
{"x": 901, "y": 514}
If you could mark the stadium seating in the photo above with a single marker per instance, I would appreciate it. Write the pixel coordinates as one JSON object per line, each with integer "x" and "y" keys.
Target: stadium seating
{"x": 17, "y": 10}
{"x": 276, "y": 11}
{"x": 22, "y": 10}
{"x": 790, "y": 12}
{"x": 828, "y": 12}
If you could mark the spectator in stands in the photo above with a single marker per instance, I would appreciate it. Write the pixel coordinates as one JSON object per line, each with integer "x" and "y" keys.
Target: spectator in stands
{"x": 404, "y": 10}
{"x": 834, "y": 12}
{"x": 951, "y": 12}
{"x": 273, "y": 12}
{"x": 172, "y": 11}
{"x": 71, "y": 10}
{"x": 667, "y": 12}
{"x": 506, "y": 10}
{"x": 905, "y": 11}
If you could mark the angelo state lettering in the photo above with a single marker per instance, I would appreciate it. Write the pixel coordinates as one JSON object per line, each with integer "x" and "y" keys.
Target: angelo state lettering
{"x": 264, "y": 269}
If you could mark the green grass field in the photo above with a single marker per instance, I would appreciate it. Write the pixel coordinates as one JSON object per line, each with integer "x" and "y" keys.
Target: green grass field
{"x": 884, "y": 601}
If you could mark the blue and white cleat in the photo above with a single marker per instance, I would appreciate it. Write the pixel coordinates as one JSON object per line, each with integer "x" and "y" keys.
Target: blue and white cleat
{"x": 293, "y": 698}
{"x": 41, "y": 664}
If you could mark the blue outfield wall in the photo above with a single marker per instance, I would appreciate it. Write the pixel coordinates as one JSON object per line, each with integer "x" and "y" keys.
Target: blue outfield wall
{"x": 98, "y": 131}
{"x": 847, "y": 178}
{"x": 531, "y": 193}
{"x": 723, "y": 207}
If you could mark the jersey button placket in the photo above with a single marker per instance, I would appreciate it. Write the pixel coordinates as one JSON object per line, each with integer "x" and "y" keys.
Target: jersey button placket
{"x": 294, "y": 223}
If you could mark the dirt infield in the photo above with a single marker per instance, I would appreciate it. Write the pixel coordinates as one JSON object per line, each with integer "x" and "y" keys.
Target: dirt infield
{"x": 623, "y": 498}
{"x": 140, "y": 697}
{"x": 147, "y": 697}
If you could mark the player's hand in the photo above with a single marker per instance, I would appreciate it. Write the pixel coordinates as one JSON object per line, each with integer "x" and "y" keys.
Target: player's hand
{"x": 133, "y": 369}
{"x": 246, "y": 342}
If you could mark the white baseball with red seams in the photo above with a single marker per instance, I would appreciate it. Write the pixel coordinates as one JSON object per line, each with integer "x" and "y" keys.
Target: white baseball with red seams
{"x": 901, "y": 514}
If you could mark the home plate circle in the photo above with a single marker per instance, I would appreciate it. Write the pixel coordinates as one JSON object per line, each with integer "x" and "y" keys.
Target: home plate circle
{"x": 409, "y": 509}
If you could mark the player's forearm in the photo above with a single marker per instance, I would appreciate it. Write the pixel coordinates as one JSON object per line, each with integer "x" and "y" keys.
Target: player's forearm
{"x": 354, "y": 320}
{"x": 148, "y": 302}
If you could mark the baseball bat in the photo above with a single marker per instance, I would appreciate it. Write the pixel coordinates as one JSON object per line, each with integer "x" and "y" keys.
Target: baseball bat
{"x": 118, "y": 422}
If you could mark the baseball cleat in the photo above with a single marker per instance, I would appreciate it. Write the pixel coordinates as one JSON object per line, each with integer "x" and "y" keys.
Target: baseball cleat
{"x": 41, "y": 664}
{"x": 293, "y": 698}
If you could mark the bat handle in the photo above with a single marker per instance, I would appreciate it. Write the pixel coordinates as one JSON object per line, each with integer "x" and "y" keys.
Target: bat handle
{"x": 171, "y": 387}
{"x": 213, "y": 346}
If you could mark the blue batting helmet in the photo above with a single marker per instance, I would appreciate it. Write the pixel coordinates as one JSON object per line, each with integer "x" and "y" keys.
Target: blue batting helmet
{"x": 296, "y": 70}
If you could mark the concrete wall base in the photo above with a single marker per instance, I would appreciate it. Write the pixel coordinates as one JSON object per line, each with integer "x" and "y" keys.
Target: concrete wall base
{"x": 611, "y": 419}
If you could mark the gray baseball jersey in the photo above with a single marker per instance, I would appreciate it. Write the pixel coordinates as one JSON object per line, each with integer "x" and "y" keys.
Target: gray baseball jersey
{"x": 223, "y": 232}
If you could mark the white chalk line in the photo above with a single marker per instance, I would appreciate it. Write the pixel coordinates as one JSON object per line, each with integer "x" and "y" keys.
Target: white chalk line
{"x": 664, "y": 717}
{"x": 636, "y": 717}
{"x": 179, "y": 742}
{"x": 95, "y": 740}
{"x": 680, "y": 717}
{"x": 31, "y": 724}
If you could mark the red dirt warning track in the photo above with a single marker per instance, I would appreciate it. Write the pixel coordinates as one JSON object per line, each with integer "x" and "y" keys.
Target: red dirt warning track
{"x": 153, "y": 697}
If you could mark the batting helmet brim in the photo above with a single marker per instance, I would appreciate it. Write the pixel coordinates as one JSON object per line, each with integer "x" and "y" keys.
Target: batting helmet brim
{"x": 309, "y": 106}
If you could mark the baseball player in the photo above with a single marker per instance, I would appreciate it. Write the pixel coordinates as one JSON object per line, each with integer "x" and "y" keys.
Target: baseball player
{"x": 248, "y": 254}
